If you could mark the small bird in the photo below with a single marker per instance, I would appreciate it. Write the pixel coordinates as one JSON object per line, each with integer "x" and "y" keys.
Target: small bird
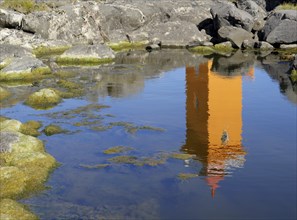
{"x": 225, "y": 137}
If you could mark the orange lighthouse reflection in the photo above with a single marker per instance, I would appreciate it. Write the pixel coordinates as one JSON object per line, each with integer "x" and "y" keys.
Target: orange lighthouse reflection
{"x": 214, "y": 122}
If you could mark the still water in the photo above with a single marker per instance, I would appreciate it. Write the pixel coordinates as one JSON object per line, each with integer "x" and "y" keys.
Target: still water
{"x": 237, "y": 117}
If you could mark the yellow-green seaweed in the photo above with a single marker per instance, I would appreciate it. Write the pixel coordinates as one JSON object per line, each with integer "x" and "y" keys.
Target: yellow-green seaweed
{"x": 12, "y": 210}
{"x": 181, "y": 156}
{"x": 125, "y": 159}
{"x": 186, "y": 176}
{"x": 4, "y": 94}
{"x": 44, "y": 50}
{"x": 117, "y": 150}
{"x": 96, "y": 166}
{"x": 126, "y": 45}
{"x": 82, "y": 61}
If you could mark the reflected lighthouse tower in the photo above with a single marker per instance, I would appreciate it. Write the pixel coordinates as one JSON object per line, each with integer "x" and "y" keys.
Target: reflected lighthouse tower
{"x": 214, "y": 122}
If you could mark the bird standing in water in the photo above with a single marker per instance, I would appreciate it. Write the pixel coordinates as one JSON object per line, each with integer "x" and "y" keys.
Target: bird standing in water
{"x": 225, "y": 137}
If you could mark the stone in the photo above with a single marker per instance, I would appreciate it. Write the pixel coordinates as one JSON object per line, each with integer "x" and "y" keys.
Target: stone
{"x": 177, "y": 34}
{"x": 288, "y": 46}
{"x": 226, "y": 14}
{"x": 248, "y": 44}
{"x": 81, "y": 54}
{"x": 24, "y": 68}
{"x": 10, "y": 19}
{"x": 235, "y": 35}
{"x": 258, "y": 13}
{"x": 262, "y": 45}
{"x": 43, "y": 99}
{"x": 10, "y": 125}
{"x": 280, "y": 27}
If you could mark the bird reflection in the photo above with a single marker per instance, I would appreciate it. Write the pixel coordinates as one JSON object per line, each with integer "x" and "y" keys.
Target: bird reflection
{"x": 214, "y": 126}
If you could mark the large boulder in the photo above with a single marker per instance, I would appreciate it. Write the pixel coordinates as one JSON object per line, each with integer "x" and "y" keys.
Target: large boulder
{"x": 177, "y": 34}
{"x": 235, "y": 35}
{"x": 227, "y": 14}
{"x": 254, "y": 10}
{"x": 10, "y": 19}
{"x": 281, "y": 27}
{"x": 86, "y": 54}
{"x": 24, "y": 68}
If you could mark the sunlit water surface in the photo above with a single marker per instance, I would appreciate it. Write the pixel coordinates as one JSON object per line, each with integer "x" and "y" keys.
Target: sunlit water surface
{"x": 241, "y": 130}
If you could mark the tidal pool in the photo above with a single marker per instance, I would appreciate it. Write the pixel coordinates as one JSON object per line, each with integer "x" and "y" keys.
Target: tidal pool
{"x": 194, "y": 138}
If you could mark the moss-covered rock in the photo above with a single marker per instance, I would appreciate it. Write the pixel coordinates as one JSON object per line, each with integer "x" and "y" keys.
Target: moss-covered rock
{"x": 50, "y": 50}
{"x": 126, "y": 45}
{"x": 29, "y": 130}
{"x": 186, "y": 176}
{"x": 53, "y": 129}
{"x": 10, "y": 125}
{"x": 43, "y": 99}
{"x": 25, "y": 68}
{"x": 4, "y": 93}
{"x": 12, "y": 210}
{"x": 26, "y": 164}
{"x": 204, "y": 50}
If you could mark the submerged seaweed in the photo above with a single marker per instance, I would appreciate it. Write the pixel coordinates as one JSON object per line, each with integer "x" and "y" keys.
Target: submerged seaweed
{"x": 117, "y": 149}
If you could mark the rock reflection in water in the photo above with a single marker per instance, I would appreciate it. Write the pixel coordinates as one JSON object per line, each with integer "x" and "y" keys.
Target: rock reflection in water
{"x": 214, "y": 121}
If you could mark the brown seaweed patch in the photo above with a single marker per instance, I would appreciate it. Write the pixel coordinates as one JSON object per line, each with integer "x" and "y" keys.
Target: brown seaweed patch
{"x": 53, "y": 129}
{"x": 186, "y": 176}
{"x": 117, "y": 150}
{"x": 96, "y": 166}
{"x": 124, "y": 159}
{"x": 181, "y": 156}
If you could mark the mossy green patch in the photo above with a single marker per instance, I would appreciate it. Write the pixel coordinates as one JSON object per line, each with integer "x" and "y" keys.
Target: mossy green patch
{"x": 293, "y": 75}
{"x": 34, "y": 124}
{"x": 29, "y": 130}
{"x": 181, "y": 156}
{"x": 65, "y": 74}
{"x": 151, "y": 161}
{"x": 44, "y": 99}
{"x": 186, "y": 176}
{"x": 204, "y": 50}
{"x": 68, "y": 84}
{"x": 82, "y": 61}
{"x": 45, "y": 51}
{"x": 12, "y": 210}
{"x": 132, "y": 129}
{"x": 223, "y": 48}
{"x": 126, "y": 45}
{"x": 287, "y": 6}
{"x": 27, "y": 75}
{"x": 53, "y": 129}
{"x": 24, "y": 6}
{"x": 117, "y": 150}
{"x": 96, "y": 166}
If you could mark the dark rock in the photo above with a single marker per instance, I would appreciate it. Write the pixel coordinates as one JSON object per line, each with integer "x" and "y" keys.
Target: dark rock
{"x": 152, "y": 47}
{"x": 235, "y": 35}
{"x": 280, "y": 27}
{"x": 226, "y": 14}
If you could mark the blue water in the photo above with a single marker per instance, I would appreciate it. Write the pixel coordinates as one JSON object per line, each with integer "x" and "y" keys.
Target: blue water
{"x": 262, "y": 187}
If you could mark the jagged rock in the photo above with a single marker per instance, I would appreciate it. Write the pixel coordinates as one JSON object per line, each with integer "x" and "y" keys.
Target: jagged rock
{"x": 254, "y": 10}
{"x": 8, "y": 52}
{"x": 177, "y": 34}
{"x": 235, "y": 35}
{"x": 10, "y": 19}
{"x": 24, "y": 68}
{"x": 280, "y": 27}
{"x": 84, "y": 54}
{"x": 226, "y": 14}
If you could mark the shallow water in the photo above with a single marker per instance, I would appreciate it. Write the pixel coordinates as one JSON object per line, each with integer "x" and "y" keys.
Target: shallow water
{"x": 236, "y": 117}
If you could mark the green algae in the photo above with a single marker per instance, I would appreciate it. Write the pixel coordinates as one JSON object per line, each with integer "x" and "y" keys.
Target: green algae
{"x": 126, "y": 45}
{"x": 10, "y": 125}
{"x": 82, "y": 61}
{"x": 223, "y": 48}
{"x": 44, "y": 99}
{"x": 293, "y": 75}
{"x": 186, "y": 176}
{"x": 65, "y": 74}
{"x": 117, "y": 150}
{"x": 151, "y": 161}
{"x": 27, "y": 75}
{"x": 132, "y": 129}
{"x": 29, "y": 130}
{"x": 181, "y": 156}
{"x": 101, "y": 128}
{"x": 45, "y": 51}
{"x": 96, "y": 166}
{"x": 53, "y": 129}
{"x": 12, "y": 210}
{"x": 204, "y": 50}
